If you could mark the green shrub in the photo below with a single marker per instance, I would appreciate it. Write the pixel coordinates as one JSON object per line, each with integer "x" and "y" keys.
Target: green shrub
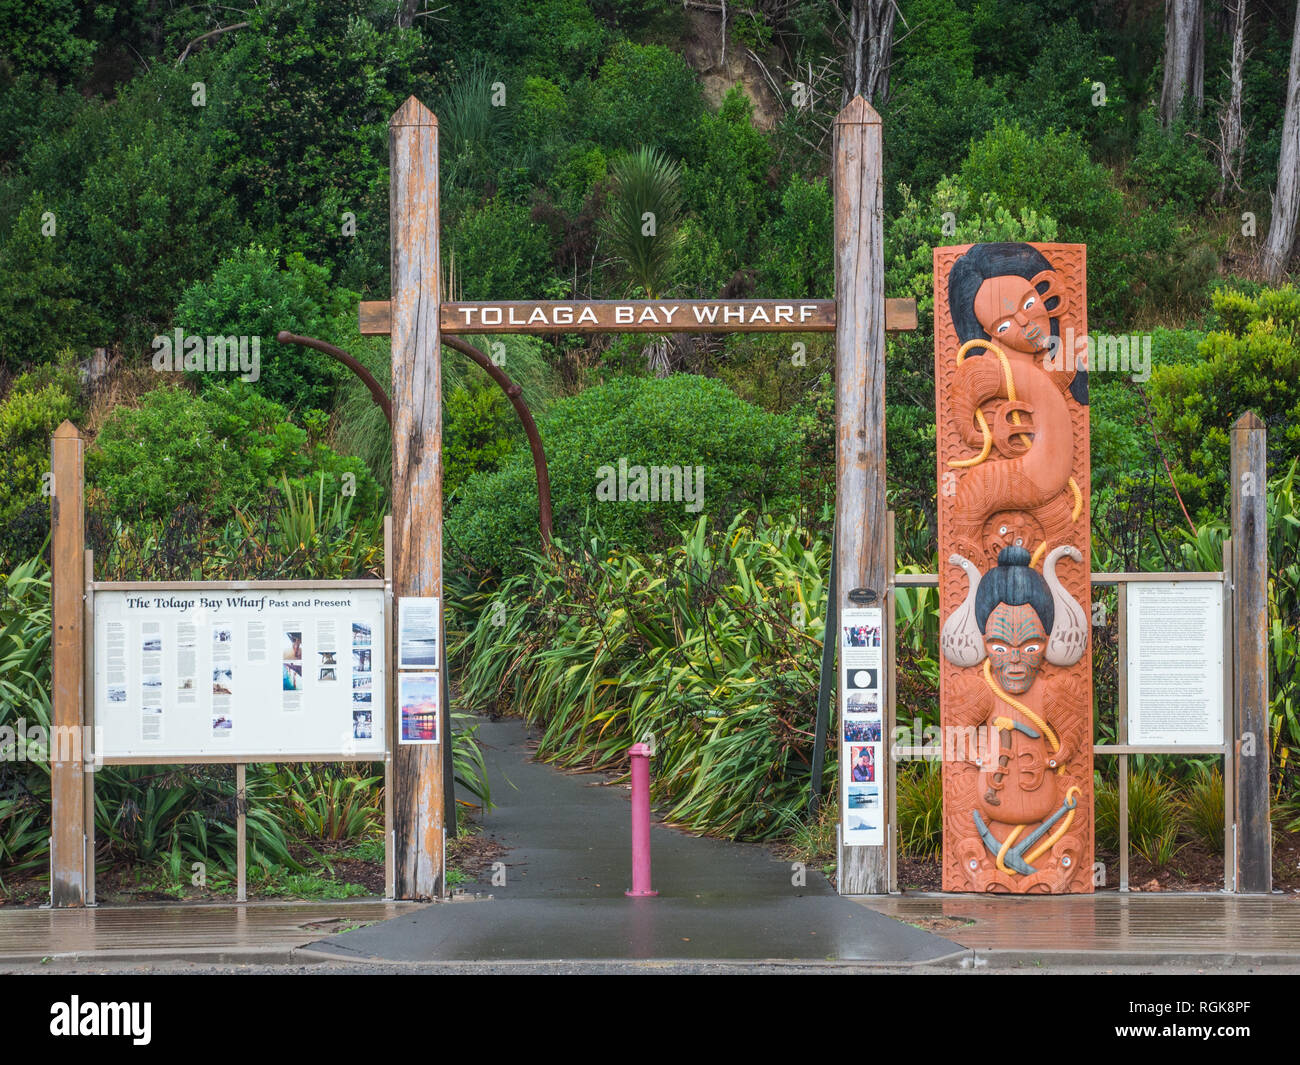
{"x": 1155, "y": 816}
{"x": 934, "y": 65}
{"x": 1105, "y": 801}
{"x": 154, "y": 188}
{"x": 1139, "y": 258}
{"x": 476, "y": 437}
{"x": 577, "y": 171}
{"x": 35, "y": 406}
{"x": 224, "y": 449}
{"x": 797, "y": 245}
{"x": 727, "y": 184}
{"x": 298, "y": 109}
{"x": 1123, "y": 448}
{"x": 1252, "y": 362}
{"x": 40, "y": 38}
{"x": 1170, "y": 165}
{"x": 748, "y": 456}
{"x": 1050, "y": 174}
{"x": 251, "y": 295}
{"x": 500, "y": 253}
{"x": 643, "y": 94}
{"x": 561, "y": 39}
{"x": 1059, "y": 88}
{"x": 39, "y": 309}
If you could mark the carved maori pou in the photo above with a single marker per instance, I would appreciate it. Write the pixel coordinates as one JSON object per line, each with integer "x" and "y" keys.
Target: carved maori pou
{"x": 1011, "y": 417}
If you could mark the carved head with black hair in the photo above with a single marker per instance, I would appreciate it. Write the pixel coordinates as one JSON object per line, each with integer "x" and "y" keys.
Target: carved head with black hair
{"x": 1015, "y": 612}
{"x": 1009, "y": 293}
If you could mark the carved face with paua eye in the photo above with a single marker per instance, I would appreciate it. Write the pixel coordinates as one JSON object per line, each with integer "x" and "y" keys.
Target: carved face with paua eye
{"x": 1013, "y": 313}
{"x": 1016, "y": 642}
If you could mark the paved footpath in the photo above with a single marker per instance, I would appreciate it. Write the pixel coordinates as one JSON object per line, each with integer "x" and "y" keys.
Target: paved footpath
{"x": 562, "y": 909}
{"x": 569, "y": 864}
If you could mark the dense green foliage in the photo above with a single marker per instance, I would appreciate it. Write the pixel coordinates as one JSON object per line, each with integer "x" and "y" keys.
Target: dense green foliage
{"x": 36, "y": 405}
{"x": 747, "y": 456}
{"x": 216, "y": 451}
{"x": 1249, "y": 361}
{"x": 237, "y": 186}
{"x": 250, "y": 295}
{"x": 709, "y": 647}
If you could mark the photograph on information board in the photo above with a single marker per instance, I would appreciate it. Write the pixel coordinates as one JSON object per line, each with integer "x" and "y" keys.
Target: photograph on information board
{"x": 417, "y": 700}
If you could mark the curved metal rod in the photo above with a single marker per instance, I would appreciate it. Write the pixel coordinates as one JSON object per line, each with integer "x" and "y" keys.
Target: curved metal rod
{"x": 513, "y": 392}
{"x": 367, "y": 378}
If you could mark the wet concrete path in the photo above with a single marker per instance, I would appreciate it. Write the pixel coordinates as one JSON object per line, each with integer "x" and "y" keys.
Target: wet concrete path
{"x": 569, "y": 864}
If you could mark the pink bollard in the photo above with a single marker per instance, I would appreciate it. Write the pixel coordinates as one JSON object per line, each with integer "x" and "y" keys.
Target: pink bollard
{"x": 640, "y": 822}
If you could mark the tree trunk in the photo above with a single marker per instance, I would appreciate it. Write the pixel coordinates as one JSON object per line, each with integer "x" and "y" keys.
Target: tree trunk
{"x": 1184, "y": 58}
{"x": 1230, "y": 132}
{"x": 870, "y": 50}
{"x": 1281, "y": 241}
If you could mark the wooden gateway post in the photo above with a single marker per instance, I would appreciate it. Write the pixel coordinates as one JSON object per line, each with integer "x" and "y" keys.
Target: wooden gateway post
{"x": 418, "y": 814}
{"x": 864, "y": 565}
{"x": 417, "y": 321}
{"x": 68, "y": 696}
{"x": 1249, "y": 641}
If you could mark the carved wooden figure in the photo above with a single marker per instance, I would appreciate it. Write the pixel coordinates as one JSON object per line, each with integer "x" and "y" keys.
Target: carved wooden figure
{"x": 1011, "y": 412}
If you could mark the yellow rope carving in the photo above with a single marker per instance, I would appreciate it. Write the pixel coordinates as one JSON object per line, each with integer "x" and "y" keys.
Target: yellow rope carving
{"x": 1078, "y": 499}
{"x": 1050, "y": 841}
{"x": 988, "y": 345}
{"x": 1038, "y": 553}
{"x": 1011, "y": 838}
{"x": 1034, "y": 718}
{"x": 988, "y": 443}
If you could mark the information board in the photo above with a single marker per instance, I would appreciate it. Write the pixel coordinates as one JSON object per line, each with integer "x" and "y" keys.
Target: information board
{"x": 862, "y": 702}
{"x": 259, "y": 674}
{"x": 1175, "y": 663}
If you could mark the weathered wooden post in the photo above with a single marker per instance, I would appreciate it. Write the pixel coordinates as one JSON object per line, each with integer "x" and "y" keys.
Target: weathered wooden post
{"x": 417, "y": 466}
{"x": 860, "y": 519}
{"x": 67, "y": 591}
{"x": 1250, "y": 654}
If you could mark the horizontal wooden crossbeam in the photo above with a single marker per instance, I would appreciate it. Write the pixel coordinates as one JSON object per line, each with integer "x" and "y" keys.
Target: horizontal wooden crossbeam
{"x": 639, "y": 316}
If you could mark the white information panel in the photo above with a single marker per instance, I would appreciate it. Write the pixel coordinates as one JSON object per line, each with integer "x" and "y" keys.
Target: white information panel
{"x": 862, "y": 705}
{"x": 1175, "y": 663}
{"x": 255, "y": 675}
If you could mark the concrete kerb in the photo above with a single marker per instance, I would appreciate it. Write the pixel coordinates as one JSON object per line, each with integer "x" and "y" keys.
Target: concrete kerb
{"x": 211, "y": 955}
{"x": 1092, "y": 959}
{"x": 953, "y": 960}
{"x": 965, "y": 959}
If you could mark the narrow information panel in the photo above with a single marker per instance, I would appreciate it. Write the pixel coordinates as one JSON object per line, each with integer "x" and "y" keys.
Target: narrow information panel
{"x": 861, "y": 720}
{"x": 251, "y": 675}
{"x": 1175, "y": 663}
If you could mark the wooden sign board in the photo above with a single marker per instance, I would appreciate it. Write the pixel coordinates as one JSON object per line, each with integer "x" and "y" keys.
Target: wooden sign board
{"x": 638, "y": 316}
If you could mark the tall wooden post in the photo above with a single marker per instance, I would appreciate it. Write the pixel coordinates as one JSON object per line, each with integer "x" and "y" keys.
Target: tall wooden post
{"x": 417, "y": 465}
{"x": 67, "y": 592}
{"x": 1250, "y": 654}
{"x": 861, "y": 527}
